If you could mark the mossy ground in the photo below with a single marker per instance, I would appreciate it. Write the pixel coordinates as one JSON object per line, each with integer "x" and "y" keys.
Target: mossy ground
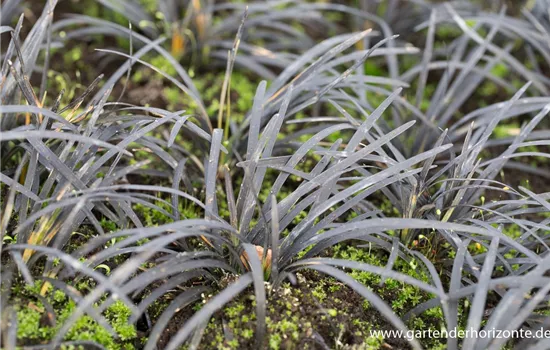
{"x": 317, "y": 312}
{"x": 40, "y": 318}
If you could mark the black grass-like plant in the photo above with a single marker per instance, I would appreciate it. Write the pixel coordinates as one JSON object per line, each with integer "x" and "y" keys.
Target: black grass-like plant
{"x": 8, "y": 10}
{"x": 249, "y": 185}
{"x": 201, "y": 29}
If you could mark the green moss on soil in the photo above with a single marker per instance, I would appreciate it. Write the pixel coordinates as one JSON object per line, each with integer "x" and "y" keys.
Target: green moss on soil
{"x": 320, "y": 307}
{"x": 37, "y": 326}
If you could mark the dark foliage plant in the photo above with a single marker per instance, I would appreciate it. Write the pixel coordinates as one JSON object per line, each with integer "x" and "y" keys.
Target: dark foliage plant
{"x": 198, "y": 31}
{"x": 360, "y": 138}
{"x": 10, "y": 8}
{"x": 202, "y": 29}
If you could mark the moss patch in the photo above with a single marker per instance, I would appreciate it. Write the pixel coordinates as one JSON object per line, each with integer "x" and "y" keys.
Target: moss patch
{"x": 299, "y": 318}
{"x": 38, "y": 326}
{"x": 320, "y": 311}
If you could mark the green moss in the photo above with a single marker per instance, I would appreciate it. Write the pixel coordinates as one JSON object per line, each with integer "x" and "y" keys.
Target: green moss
{"x": 32, "y": 329}
{"x": 107, "y": 225}
{"x": 234, "y": 311}
{"x": 150, "y": 5}
{"x": 293, "y": 314}
{"x": 72, "y": 55}
{"x": 401, "y": 296}
{"x": 275, "y": 341}
{"x": 319, "y": 293}
{"x": 509, "y": 129}
{"x": 153, "y": 217}
{"x": 247, "y": 333}
{"x": 448, "y": 31}
{"x": 209, "y": 86}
